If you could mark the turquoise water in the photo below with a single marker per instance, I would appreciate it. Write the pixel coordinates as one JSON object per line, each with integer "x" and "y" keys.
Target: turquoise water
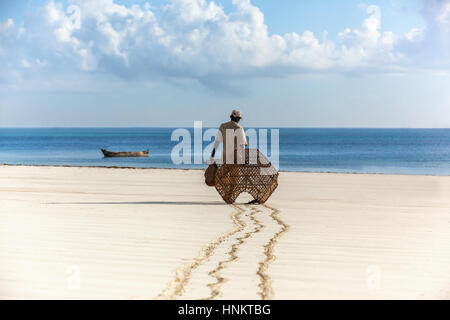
{"x": 398, "y": 151}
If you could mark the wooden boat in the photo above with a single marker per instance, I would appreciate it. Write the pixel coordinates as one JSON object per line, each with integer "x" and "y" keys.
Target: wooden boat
{"x": 107, "y": 153}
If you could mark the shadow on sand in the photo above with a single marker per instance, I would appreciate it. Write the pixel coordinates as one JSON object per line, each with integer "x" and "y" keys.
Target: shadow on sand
{"x": 183, "y": 203}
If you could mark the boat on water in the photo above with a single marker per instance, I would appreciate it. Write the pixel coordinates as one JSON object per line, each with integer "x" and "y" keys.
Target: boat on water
{"x": 107, "y": 153}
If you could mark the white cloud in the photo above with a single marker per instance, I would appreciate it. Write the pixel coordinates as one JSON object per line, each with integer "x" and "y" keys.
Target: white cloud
{"x": 442, "y": 12}
{"x": 415, "y": 34}
{"x": 437, "y": 12}
{"x": 427, "y": 47}
{"x": 25, "y": 63}
{"x": 192, "y": 39}
{"x": 6, "y": 25}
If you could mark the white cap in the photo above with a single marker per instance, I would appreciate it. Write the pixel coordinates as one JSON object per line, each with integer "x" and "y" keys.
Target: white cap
{"x": 236, "y": 114}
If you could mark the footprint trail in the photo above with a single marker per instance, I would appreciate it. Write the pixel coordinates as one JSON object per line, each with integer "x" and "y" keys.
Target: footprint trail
{"x": 183, "y": 273}
{"x": 235, "y": 238}
{"x": 232, "y": 254}
{"x": 265, "y": 285}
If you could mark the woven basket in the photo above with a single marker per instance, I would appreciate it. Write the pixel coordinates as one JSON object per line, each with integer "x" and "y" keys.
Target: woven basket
{"x": 257, "y": 176}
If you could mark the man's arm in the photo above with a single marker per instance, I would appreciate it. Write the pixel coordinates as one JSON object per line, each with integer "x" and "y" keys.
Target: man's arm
{"x": 243, "y": 138}
{"x": 217, "y": 143}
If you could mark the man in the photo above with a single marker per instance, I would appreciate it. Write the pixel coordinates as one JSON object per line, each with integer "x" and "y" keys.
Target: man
{"x": 232, "y": 135}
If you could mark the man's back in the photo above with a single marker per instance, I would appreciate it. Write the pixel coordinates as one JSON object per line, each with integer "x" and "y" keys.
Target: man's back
{"x": 230, "y": 125}
{"x": 232, "y": 135}
{"x": 233, "y": 138}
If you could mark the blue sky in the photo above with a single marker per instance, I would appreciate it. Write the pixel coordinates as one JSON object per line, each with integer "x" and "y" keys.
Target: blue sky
{"x": 325, "y": 63}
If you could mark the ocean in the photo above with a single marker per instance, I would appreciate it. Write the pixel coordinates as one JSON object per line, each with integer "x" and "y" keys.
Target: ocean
{"x": 390, "y": 151}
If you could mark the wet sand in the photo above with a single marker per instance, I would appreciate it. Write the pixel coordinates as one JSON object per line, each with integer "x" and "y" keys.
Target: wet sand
{"x": 85, "y": 233}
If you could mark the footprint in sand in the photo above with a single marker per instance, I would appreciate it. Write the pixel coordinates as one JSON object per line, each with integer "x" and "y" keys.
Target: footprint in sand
{"x": 183, "y": 273}
{"x": 265, "y": 285}
{"x": 252, "y": 227}
{"x": 233, "y": 255}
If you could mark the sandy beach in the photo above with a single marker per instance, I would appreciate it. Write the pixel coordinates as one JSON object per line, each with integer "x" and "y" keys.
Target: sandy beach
{"x": 87, "y": 233}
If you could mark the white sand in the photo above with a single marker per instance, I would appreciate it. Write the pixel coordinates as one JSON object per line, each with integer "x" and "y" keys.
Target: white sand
{"x": 144, "y": 234}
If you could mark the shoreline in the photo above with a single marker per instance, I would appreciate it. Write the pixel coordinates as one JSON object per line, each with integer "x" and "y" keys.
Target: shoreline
{"x": 202, "y": 169}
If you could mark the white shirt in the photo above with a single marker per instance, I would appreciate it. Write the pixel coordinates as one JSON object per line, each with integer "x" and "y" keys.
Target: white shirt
{"x": 230, "y": 131}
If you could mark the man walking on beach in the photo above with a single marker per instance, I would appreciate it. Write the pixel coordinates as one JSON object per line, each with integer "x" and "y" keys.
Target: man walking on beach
{"x": 234, "y": 141}
{"x": 231, "y": 134}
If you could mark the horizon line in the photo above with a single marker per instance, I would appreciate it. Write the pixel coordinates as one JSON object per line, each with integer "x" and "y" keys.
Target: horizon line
{"x": 170, "y": 127}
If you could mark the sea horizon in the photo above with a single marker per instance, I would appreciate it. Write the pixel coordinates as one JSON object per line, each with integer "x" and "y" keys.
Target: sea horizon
{"x": 246, "y": 127}
{"x": 415, "y": 151}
